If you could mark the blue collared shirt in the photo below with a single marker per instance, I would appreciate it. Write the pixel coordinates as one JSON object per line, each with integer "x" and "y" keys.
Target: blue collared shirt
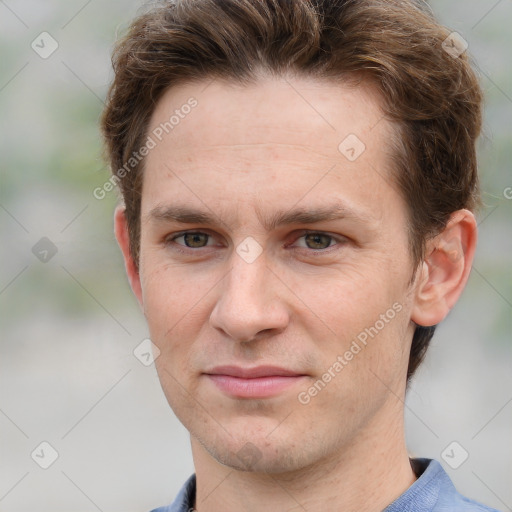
{"x": 433, "y": 491}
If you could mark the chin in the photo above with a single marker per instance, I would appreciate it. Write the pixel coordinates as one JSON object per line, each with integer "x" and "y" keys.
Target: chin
{"x": 251, "y": 458}
{"x": 260, "y": 452}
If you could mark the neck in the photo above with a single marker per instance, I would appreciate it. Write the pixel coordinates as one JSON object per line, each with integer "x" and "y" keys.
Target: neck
{"x": 367, "y": 475}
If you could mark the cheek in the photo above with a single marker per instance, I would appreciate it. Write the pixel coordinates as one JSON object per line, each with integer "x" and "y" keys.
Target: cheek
{"x": 170, "y": 290}
{"x": 354, "y": 298}
{"x": 361, "y": 370}
{"x": 367, "y": 315}
{"x": 171, "y": 303}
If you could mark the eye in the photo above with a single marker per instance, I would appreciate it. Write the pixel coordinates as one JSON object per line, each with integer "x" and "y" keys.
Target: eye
{"x": 318, "y": 241}
{"x": 191, "y": 239}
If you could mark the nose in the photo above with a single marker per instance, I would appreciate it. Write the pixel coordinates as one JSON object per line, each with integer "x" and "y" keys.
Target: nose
{"x": 251, "y": 301}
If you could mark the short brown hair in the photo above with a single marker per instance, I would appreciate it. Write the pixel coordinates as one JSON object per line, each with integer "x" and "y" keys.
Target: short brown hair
{"x": 397, "y": 45}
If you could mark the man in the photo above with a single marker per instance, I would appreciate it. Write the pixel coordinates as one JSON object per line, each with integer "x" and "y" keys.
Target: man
{"x": 299, "y": 180}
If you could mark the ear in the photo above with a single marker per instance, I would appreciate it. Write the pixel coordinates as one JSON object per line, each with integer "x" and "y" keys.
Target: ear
{"x": 445, "y": 269}
{"x": 123, "y": 239}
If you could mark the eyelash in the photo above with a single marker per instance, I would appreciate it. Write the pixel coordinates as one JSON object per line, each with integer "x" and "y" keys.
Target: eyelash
{"x": 170, "y": 240}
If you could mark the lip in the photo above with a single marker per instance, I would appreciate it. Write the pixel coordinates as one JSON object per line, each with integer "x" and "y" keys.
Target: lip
{"x": 253, "y": 373}
{"x": 257, "y": 382}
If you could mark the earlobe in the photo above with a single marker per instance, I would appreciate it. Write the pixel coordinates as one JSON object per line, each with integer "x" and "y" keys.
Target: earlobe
{"x": 445, "y": 269}
{"x": 123, "y": 239}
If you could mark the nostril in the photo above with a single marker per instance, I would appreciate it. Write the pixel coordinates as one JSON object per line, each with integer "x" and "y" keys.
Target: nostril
{"x": 260, "y": 334}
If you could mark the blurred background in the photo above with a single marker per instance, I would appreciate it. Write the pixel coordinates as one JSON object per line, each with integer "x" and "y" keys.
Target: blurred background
{"x": 68, "y": 374}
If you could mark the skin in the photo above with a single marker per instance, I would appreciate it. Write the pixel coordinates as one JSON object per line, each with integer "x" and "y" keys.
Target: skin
{"x": 241, "y": 155}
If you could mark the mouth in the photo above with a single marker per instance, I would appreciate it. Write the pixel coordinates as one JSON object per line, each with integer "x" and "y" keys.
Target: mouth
{"x": 257, "y": 382}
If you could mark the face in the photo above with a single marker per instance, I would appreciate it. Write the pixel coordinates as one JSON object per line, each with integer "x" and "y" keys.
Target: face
{"x": 275, "y": 269}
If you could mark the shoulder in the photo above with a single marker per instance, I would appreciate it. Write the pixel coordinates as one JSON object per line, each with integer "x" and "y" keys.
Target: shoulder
{"x": 434, "y": 491}
{"x": 184, "y": 501}
{"x": 448, "y": 498}
{"x": 461, "y": 503}
{"x": 454, "y": 501}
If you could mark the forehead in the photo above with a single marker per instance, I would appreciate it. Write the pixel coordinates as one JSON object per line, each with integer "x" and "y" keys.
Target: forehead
{"x": 280, "y": 110}
{"x": 279, "y": 136}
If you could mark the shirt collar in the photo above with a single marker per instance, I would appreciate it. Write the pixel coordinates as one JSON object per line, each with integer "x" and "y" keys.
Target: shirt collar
{"x": 423, "y": 494}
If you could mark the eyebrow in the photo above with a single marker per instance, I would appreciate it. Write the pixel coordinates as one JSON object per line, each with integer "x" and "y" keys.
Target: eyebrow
{"x": 187, "y": 215}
